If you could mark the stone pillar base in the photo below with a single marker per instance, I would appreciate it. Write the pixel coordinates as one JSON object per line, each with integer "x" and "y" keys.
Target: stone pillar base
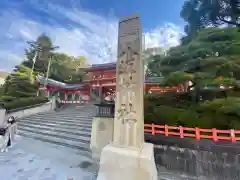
{"x": 127, "y": 164}
{"x": 101, "y": 135}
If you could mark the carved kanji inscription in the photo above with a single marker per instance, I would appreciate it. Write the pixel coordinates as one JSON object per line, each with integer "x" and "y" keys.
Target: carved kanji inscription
{"x": 129, "y": 90}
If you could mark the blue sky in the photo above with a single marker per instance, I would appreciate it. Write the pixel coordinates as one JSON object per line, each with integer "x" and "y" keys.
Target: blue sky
{"x": 83, "y": 27}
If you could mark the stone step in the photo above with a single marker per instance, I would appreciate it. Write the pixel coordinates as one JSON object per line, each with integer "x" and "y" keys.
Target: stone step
{"x": 77, "y": 124}
{"x": 74, "y": 128}
{"x": 50, "y": 133}
{"x": 86, "y": 107}
{"x": 79, "y": 110}
{"x": 76, "y": 131}
{"x": 63, "y": 119}
{"x": 82, "y": 107}
{"x": 65, "y": 116}
{"x": 83, "y": 148}
{"x": 68, "y": 112}
{"x": 75, "y": 112}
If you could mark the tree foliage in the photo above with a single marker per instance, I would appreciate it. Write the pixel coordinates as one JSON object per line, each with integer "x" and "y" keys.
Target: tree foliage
{"x": 210, "y": 59}
{"x": 213, "y": 52}
{"x": 1, "y": 90}
{"x": 20, "y": 83}
{"x": 154, "y": 65}
{"x": 63, "y": 67}
{"x": 210, "y": 54}
{"x": 205, "y": 13}
{"x": 176, "y": 109}
{"x": 44, "y": 47}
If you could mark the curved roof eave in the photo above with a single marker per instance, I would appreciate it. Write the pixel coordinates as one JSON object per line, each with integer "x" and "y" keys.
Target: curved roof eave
{"x": 59, "y": 84}
{"x": 41, "y": 79}
{"x": 105, "y": 66}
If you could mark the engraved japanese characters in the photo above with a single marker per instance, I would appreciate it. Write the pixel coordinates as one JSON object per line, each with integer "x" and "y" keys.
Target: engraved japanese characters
{"x": 128, "y": 81}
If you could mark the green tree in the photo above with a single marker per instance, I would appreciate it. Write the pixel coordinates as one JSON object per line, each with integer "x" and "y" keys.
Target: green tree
{"x": 63, "y": 68}
{"x": 80, "y": 62}
{"x": 44, "y": 46}
{"x": 204, "y": 13}
{"x": 20, "y": 83}
{"x": 67, "y": 69}
{"x": 1, "y": 90}
{"x": 212, "y": 53}
{"x": 76, "y": 66}
{"x": 154, "y": 65}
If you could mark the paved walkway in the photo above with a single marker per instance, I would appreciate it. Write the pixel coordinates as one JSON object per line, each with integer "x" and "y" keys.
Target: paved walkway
{"x": 30, "y": 159}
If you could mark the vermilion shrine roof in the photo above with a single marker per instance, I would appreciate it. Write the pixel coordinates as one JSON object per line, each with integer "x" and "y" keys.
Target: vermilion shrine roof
{"x": 59, "y": 84}
{"x": 102, "y": 67}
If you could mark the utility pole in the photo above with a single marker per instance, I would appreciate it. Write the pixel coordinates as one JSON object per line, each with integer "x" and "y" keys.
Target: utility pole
{"x": 143, "y": 39}
{"x": 49, "y": 65}
{"x": 34, "y": 60}
{"x": 37, "y": 48}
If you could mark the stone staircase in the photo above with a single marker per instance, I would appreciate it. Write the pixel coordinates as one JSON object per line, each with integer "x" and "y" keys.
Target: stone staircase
{"x": 70, "y": 127}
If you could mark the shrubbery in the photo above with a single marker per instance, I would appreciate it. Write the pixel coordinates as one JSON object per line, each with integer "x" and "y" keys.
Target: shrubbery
{"x": 20, "y": 89}
{"x": 1, "y": 90}
{"x": 178, "y": 109}
{"x": 23, "y": 102}
{"x": 6, "y": 98}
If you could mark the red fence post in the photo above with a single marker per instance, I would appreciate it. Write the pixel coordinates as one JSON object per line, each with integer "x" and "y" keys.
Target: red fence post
{"x": 232, "y": 134}
{"x": 166, "y": 130}
{"x": 214, "y": 134}
{"x": 153, "y": 129}
{"x": 197, "y": 133}
{"x": 181, "y": 132}
{"x": 214, "y": 131}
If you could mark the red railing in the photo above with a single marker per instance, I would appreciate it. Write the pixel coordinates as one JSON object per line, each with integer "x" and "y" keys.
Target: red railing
{"x": 197, "y": 133}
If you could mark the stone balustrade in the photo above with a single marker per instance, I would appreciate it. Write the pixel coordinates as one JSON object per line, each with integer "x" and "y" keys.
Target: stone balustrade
{"x": 26, "y": 111}
{"x": 30, "y": 110}
{"x": 8, "y": 129}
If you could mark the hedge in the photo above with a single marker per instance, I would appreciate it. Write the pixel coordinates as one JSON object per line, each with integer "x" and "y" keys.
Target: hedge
{"x": 7, "y": 98}
{"x": 24, "y": 102}
{"x": 178, "y": 109}
{"x": 1, "y": 90}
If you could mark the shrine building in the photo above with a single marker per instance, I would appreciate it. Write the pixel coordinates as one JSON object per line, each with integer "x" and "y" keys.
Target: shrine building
{"x": 99, "y": 82}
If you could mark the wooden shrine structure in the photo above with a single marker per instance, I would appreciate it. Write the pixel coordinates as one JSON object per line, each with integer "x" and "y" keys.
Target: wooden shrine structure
{"x": 99, "y": 82}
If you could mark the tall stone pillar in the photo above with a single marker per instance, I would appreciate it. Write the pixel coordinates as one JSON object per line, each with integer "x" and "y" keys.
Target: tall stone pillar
{"x": 128, "y": 157}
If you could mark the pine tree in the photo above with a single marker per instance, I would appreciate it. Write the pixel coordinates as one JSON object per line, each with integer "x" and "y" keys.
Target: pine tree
{"x": 42, "y": 46}
{"x": 20, "y": 83}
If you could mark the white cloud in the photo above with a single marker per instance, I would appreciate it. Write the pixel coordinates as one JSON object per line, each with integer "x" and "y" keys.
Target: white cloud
{"x": 76, "y": 31}
{"x": 166, "y": 36}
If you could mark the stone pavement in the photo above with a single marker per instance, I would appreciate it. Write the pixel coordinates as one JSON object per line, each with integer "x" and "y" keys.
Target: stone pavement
{"x": 29, "y": 159}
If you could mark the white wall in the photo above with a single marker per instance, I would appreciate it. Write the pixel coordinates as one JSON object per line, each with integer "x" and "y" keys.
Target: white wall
{"x": 27, "y": 112}
{"x": 2, "y": 81}
{"x": 2, "y": 116}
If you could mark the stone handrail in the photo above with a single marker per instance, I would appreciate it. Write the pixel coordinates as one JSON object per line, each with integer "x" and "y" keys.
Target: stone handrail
{"x": 30, "y": 110}
{"x": 26, "y": 111}
{"x": 23, "y": 108}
